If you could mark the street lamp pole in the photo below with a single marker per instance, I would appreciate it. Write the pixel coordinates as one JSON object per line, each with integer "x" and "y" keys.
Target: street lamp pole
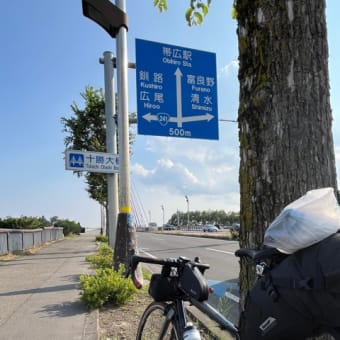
{"x": 162, "y": 207}
{"x": 187, "y": 199}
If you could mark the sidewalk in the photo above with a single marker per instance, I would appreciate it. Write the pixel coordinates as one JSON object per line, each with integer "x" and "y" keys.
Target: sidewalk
{"x": 39, "y": 295}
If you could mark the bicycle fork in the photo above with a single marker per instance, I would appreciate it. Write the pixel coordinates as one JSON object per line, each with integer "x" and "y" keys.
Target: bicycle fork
{"x": 169, "y": 315}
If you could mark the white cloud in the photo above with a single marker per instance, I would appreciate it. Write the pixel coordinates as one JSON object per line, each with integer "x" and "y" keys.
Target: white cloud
{"x": 337, "y": 162}
{"x": 224, "y": 169}
{"x": 182, "y": 175}
{"x": 337, "y": 153}
{"x": 226, "y": 70}
{"x": 166, "y": 163}
{"x": 139, "y": 170}
{"x": 165, "y": 170}
{"x": 154, "y": 197}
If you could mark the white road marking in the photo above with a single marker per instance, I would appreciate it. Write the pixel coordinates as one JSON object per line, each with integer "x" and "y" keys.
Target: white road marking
{"x": 221, "y": 251}
{"x": 232, "y": 297}
{"x": 143, "y": 250}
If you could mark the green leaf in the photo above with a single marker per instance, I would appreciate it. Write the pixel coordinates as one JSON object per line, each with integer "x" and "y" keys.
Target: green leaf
{"x": 204, "y": 8}
{"x": 198, "y": 18}
{"x": 188, "y": 14}
{"x": 161, "y": 5}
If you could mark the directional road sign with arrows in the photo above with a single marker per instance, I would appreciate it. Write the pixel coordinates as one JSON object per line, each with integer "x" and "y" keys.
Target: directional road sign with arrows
{"x": 176, "y": 91}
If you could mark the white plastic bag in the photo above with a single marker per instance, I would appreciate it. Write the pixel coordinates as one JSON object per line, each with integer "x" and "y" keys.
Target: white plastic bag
{"x": 304, "y": 222}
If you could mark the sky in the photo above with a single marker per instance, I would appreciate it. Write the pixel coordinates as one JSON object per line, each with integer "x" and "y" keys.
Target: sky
{"x": 50, "y": 53}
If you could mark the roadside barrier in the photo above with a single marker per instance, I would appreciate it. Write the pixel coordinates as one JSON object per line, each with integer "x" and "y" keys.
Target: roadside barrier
{"x": 12, "y": 240}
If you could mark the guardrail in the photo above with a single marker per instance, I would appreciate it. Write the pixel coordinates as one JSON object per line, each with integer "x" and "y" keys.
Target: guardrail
{"x": 12, "y": 240}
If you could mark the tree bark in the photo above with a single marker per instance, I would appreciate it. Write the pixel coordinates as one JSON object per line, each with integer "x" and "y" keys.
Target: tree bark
{"x": 285, "y": 119}
{"x": 126, "y": 241}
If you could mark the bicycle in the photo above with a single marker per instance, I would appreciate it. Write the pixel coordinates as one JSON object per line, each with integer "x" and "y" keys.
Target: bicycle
{"x": 182, "y": 281}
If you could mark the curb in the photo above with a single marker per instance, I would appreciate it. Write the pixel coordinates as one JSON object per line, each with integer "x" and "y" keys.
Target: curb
{"x": 91, "y": 326}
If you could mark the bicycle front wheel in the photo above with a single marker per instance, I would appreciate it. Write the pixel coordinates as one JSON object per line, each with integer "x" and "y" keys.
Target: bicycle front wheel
{"x": 158, "y": 322}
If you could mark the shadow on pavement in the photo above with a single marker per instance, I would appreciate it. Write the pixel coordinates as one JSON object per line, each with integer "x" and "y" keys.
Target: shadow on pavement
{"x": 42, "y": 290}
{"x": 63, "y": 309}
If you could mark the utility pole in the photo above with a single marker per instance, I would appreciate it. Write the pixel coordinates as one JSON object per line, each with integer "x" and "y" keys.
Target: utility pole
{"x": 126, "y": 242}
{"x": 162, "y": 207}
{"x": 113, "y": 19}
{"x": 123, "y": 116}
{"x": 187, "y": 199}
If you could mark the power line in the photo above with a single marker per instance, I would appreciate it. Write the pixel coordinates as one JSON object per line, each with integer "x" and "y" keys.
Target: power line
{"x": 228, "y": 120}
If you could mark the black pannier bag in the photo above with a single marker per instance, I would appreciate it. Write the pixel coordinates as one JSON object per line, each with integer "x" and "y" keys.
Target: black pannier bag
{"x": 298, "y": 298}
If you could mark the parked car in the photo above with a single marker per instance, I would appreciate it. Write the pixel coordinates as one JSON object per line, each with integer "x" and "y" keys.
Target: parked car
{"x": 169, "y": 227}
{"x": 209, "y": 228}
{"x": 235, "y": 226}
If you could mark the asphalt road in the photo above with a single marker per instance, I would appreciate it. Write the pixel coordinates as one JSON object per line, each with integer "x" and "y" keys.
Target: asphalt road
{"x": 218, "y": 253}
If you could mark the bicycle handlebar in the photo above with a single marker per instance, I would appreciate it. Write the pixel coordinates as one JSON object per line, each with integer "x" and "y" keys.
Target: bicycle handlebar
{"x": 172, "y": 262}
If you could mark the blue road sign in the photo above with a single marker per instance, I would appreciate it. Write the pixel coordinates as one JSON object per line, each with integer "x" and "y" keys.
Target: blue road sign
{"x": 176, "y": 91}
{"x": 91, "y": 161}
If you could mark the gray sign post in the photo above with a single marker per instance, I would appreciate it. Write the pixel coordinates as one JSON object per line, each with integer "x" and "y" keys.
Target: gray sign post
{"x": 111, "y": 146}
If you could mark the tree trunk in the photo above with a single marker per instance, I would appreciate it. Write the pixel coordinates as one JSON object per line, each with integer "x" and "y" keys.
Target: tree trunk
{"x": 126, "y": 241}
{"x": 285, "y": 120}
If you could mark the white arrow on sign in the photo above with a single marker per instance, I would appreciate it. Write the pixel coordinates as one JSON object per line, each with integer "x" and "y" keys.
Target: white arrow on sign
{"x": 165, "y": 118}
{"x": 179, "y": 75}
{"x": 150, "y": 117}
{"x": 208, "y": 117}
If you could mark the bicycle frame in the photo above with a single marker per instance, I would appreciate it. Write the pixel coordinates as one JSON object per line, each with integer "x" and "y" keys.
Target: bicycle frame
{"x": 179, "y": 311}
{"x": 174, "y": 301}
{"x": 178, "y": 303}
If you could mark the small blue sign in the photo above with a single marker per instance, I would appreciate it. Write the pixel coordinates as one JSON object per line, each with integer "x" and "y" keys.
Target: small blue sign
{"x": 76, "y": 160}
{"x": 176, "y": 91}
